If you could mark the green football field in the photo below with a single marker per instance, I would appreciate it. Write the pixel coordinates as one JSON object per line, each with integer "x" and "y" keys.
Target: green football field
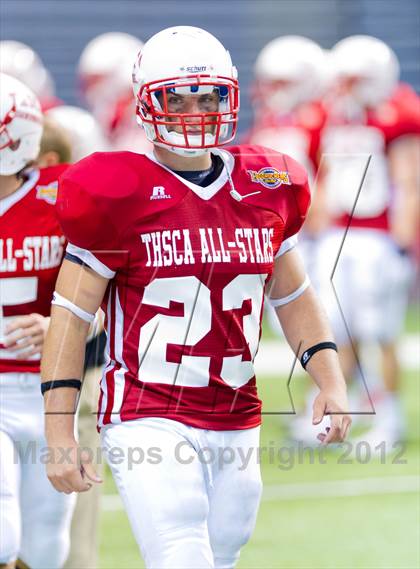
{"x": 328, "y": 510}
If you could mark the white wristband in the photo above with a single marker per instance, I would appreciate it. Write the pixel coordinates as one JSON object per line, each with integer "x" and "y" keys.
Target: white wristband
{"x": 59, "y": 300}
{"x": 275, "y": 302}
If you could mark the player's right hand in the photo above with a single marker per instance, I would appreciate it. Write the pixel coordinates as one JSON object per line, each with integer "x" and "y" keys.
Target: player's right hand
{"x": 333, "y": 402}
{"x": 70, "y": 469}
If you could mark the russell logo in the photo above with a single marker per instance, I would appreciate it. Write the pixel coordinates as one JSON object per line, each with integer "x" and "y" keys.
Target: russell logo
{"x": 158, "y": 193}
{"x": 270, "y": 177}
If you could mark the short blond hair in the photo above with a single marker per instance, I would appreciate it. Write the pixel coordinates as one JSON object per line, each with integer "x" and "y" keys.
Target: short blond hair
{"x": 55, "y": 139}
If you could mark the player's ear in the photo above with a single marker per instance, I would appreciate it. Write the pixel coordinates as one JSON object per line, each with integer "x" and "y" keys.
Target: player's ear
{"x": 47, "y": 159}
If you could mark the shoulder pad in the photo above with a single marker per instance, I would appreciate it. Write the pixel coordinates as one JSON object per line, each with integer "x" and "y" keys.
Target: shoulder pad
{"x": 107, "y": 173}
{"x": 273, "y": 181}
{"x": 260, "y": 160}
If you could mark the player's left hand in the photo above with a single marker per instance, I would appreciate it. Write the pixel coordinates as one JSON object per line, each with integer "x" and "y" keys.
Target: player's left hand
{"x": 26, "y": 334}
{"x": 332, "y": 402}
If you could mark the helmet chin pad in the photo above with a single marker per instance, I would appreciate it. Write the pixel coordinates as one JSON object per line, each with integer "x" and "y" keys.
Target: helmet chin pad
{"x": 194, "y": 140}
{"x": 186, "y": 152}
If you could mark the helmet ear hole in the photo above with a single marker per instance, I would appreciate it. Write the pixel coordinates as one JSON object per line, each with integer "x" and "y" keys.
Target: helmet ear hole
{"x": 15, "y": 145}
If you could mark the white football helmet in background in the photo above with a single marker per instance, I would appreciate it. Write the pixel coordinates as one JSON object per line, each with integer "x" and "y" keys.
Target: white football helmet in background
{"x": 289, "y": 70}
{"x": 22, "y": 62}
{"x": 104, "y": 71}
{"x": 186, "y": 61}
{"x": 369, "y": 66}
{"x": 85, "y": 134}
{"x": 20, "y": 125}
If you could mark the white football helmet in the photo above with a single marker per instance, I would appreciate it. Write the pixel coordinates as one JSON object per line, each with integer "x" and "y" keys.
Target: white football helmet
{"x": 289, "y": 70}
{"x": 104, "y": 70}
{"x": 370, "y": 64}
{"x": 186, "y": 61}
{"x": 22, "y": 62}
{"x": 20, "y": 125}
{"x": 85, "y": 134}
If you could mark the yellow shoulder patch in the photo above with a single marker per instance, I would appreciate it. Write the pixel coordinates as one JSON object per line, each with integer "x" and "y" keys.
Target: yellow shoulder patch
{"x": 48, "y": 192}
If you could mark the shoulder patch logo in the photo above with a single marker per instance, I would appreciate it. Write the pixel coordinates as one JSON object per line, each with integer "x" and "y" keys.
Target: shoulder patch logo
{"x": 270, "y": 177}
{"x": 48, "y": 192}
{"x": 158, "y": 193}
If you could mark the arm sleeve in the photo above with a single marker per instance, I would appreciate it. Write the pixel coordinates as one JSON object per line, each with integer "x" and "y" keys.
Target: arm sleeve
{"x": 92, "y": 233}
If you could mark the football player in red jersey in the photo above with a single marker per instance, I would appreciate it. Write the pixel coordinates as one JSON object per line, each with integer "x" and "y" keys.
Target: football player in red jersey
{"x": 371, "y": 135}
{"x": 34, "y": 523}
{"x": 290, "y": 77}
{"x": 179, "y": 246}
{"x": 104, "y": 77}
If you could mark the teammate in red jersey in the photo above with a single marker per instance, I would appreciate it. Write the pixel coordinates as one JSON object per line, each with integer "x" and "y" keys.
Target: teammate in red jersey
{"x": 104, "y": 76}
{"x": 370, "y": 136}
{"x": 34, "y": 525}
{"x": 290, "y": 78}
{"x": 180, "y": 246}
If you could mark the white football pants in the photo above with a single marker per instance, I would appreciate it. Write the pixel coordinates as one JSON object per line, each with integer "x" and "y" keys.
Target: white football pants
{"x": 34, "y": 518}
{"x": 191, "y": 495}
{"x": 372, "y": 282}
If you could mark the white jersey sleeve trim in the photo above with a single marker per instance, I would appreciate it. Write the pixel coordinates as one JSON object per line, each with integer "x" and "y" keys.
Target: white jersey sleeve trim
{"x": 275, "y": 302}
{"x": 287, "y": 244}
{"x": 89, "y": 259}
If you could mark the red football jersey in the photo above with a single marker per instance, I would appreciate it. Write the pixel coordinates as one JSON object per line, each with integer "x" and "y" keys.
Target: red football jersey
{"x": 187, "y": 268}
{"x": 347, "y": 147}
{"x": 31, "y": 250}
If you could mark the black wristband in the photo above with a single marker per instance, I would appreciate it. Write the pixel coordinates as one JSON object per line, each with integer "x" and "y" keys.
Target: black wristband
{"x": 56, "y": 383}
{"x": 307, "y": 354}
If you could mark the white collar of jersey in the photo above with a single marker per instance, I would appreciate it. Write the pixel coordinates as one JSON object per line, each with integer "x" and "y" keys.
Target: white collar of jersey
{"x": 9, "y": 201}
{"x": 211, "y": 190}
